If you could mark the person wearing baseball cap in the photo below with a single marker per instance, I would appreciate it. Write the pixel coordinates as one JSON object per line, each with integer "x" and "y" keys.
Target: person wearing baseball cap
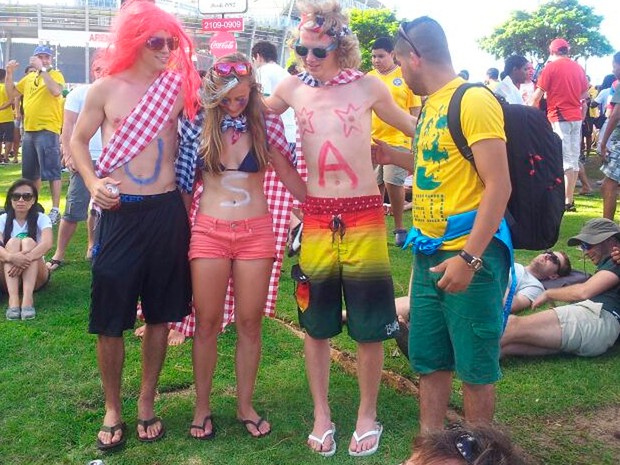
{"x": 589, "y": 325}
{"x": 565, "y": 83}
{"x": 43, "y": 104}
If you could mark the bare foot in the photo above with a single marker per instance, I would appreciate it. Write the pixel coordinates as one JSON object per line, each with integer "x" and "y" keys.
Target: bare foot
{"x": 202, "y": 426}
{"x": 110, "y": 419}
{"x": 139, "y": 332}
{"x": 256, "y": 425}
{"x": 318, "y": 431}
{"x": 362, "y": 427}
{"x": 175, "y": 338}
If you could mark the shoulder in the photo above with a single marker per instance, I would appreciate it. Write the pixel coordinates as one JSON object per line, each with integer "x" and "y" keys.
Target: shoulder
{"x": 372, "y": 83}
{"x": 76, "y": 96}
{"x": 480, "y": 95}
{"x": 43, "y": 221}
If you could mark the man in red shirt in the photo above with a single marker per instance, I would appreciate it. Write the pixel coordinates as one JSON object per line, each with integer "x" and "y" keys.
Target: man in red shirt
{"x": 566, "y": 86}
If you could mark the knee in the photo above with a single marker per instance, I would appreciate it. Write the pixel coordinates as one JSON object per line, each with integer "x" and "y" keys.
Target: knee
{"x": 207, "y": 328}
{"x": 249, "y": 328}
{"x": 28, "y": 244}
{"x": 13, "y": 245}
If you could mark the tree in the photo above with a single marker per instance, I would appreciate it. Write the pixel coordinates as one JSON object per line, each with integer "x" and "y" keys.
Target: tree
{"x": 529, "y": 34}
{"x": 368, "y": 25}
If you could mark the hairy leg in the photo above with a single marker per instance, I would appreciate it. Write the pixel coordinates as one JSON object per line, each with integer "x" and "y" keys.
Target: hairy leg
{"x": 317, "y": 352}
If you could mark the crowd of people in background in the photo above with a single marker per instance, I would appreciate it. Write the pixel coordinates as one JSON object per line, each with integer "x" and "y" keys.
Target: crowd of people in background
{"x": 190, "y": 235}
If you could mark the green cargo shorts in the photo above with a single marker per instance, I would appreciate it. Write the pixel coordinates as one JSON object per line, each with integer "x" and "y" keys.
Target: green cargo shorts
{"x": 459, "y": 331}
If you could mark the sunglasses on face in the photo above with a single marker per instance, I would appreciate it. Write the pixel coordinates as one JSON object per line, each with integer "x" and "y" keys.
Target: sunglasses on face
{"x": 226, "y": 68}
{"x": 27, "y": 196}
{"x": 552, "y": 257}
{"x": 157, "y": 43}
{"x": 318, "y": 52}
{"x": 585, "y": 247}
{"x": 402, "y": 33}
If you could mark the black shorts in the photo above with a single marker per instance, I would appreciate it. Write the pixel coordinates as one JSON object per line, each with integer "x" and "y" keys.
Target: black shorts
{"x": 141, "y": 256}
{"x": 6, "y": 131}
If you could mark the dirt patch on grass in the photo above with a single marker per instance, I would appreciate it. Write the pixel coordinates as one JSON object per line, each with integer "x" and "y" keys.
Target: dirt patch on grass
{"x": 579, "y": 437}
{"x": 601, "y": 425}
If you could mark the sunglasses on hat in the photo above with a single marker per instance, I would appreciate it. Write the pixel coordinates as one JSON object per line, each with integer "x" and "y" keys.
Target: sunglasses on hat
{"x": 226, "y": 68}
{"x": 157, "y": 43}
{"x": 317, "y": 52}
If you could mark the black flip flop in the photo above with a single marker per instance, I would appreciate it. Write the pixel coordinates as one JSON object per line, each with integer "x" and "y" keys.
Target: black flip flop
{"x": 145, "y": 424}
{"x": 255, "y": 424}
{"x": 211, "y": 435}
{"x": 113, "y": 445}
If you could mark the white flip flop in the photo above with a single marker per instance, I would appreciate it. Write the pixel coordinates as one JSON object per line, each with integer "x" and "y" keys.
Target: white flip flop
{"x": 330, "y": 432}
{"x": 378, "y": 431}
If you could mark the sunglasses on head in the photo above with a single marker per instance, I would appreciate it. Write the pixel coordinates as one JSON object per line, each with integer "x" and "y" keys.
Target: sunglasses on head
{"x": 468, "y": 447}
{"x": 317, "y": 52}
{"x": 402, "y": 33}
{"x": 553, "y": 257}
{"x": 157, "y": 43}
{"x": 226, "y": 68}
{"x": 27, "y": 196}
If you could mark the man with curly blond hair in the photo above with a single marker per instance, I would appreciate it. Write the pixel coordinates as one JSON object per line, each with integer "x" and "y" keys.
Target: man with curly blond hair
{"x": 344, "y": 250}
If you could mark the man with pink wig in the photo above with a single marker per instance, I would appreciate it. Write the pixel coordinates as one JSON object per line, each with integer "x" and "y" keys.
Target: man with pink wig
{"x": 141, "y": 253}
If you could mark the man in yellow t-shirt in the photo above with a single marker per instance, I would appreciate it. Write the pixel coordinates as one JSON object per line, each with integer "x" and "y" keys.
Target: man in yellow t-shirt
{"x": 43, "y": 102}
{"x": 391, "y": 178}
{"x": 458, "y": 283}
{"x": 6, "y": 121}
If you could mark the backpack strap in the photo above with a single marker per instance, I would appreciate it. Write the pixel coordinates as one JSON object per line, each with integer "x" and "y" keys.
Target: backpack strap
{"x": 454, "y": 119}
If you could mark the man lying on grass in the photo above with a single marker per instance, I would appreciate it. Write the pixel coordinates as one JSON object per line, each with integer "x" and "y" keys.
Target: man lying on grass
{"x": 590, "y": 324}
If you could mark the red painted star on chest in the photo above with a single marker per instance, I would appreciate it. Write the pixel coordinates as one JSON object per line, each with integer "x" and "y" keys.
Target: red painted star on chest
{"x": 304, "y": 122}
{"x": 350, "y": 119}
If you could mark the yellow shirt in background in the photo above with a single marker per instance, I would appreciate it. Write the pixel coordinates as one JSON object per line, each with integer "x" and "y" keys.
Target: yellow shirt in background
{"x": 42, "y": 111}
{"x": 444, "y": 182}
{"x": 6, "y": 115}
{"x": 404, "y": 98}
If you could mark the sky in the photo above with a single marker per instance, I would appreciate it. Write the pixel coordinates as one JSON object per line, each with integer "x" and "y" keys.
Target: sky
{"x": 465, "y": 22}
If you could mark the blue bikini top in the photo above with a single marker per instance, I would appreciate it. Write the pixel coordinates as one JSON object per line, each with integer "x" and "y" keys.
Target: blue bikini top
{"x": 248, "y": 165}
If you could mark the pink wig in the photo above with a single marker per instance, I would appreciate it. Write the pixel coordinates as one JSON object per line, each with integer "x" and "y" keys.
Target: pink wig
{"x": 137, "y": 21}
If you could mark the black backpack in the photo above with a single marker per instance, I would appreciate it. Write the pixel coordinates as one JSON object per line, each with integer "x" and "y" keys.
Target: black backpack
{"x": 536, "y": 205}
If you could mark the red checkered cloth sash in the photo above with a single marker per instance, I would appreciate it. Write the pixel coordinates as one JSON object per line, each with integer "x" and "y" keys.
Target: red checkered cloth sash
{"x": 345, "y": 76}
{"x": 142, "y": 125}
{"x": 280, "y": 203}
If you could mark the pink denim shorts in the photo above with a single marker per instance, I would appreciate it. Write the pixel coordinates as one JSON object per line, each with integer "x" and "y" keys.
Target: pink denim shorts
{"x": 248, "y": 239}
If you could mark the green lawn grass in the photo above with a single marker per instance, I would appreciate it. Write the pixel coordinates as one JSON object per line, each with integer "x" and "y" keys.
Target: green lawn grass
{"x": 51, "y": 403}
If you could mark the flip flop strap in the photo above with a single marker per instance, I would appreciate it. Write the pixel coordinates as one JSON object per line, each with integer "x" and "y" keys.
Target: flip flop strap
{"x": 146, "y": 423}
{"x": 321, "y": 441}
{"x": 112, "y": 429}
{"x": 372, "y": 432}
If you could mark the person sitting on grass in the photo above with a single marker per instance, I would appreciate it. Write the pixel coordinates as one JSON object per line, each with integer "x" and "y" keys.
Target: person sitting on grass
{"x": 547, "y": 266}
{"x": 589, "y": 325}
{"x": 25, "y": 236}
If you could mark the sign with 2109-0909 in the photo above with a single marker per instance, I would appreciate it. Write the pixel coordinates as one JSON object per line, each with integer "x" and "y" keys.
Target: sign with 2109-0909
{"x": 214, "y": 7}
{"x": 222, "y": 24}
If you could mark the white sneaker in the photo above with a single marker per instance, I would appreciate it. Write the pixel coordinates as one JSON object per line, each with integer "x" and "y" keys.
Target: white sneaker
{"x": 54, "y": 215}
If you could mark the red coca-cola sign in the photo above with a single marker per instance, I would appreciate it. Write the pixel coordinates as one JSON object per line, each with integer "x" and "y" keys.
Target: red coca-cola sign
{"x": 222, "y": 43}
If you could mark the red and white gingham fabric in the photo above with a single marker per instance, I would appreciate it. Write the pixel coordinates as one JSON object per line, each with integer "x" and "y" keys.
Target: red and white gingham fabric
{"x": 142, "y": 125}
{"x": 280, "y": 203}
